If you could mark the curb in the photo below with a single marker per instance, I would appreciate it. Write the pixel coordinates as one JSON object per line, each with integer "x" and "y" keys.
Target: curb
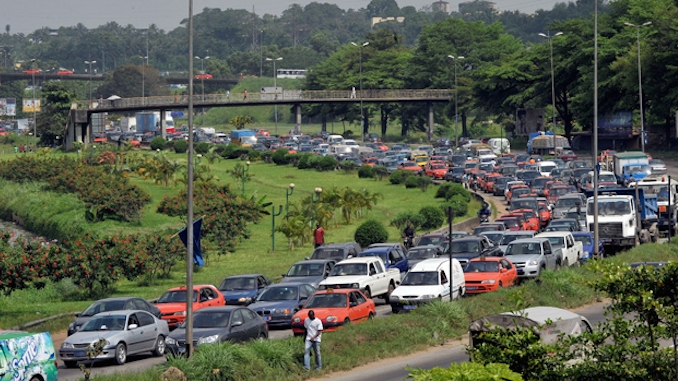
{"x": 40, "y": 321}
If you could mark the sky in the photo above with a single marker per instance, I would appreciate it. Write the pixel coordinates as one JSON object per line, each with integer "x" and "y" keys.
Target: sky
{"x": 167, "y": 14}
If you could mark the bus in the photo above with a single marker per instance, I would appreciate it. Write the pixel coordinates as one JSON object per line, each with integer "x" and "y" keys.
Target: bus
{"x": 291, "y": 73}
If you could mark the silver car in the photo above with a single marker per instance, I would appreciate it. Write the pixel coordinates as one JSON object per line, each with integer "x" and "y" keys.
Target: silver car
{"x": 126, "y": 333}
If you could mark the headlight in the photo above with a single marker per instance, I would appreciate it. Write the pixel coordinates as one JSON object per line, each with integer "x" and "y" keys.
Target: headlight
{"x": 586, "y": 254}
{"x": 355, "y": 285}
{"x": 394, "y": 298}
{"x": 428, "y": 296}
{"x": 67, "y": 345}
{"x": 297, "y": 320}
{"x": 487, "y": 281}
{"x": 284, "y": 311}
{"x": 533, "y": 263}
{"x": 180, "y": 313}
{"x": 245, "y": 300}
{"x": 170, "y": 341}
{"x": 208, "y": 339}
{"x": 322, "y": 287}
{"x": 331, "y": 319}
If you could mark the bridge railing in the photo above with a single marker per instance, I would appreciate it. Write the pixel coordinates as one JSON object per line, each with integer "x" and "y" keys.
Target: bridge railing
{"x": 287, "y": 95}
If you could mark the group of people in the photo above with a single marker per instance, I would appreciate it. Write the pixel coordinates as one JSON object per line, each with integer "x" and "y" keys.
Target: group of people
{"x": 23, "y": 148}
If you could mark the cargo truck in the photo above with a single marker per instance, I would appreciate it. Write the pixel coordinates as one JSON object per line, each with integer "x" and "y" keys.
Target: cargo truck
{"x": 629, "y": 166}
{"x": 243, "y": 138}
{"x": 667, "y": 199}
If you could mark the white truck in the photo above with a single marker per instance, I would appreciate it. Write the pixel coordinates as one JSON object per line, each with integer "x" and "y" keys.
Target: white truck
{"x": 572, "y": 251}
{"x": 667, "y": 199}
{"x": 368, "y": 274}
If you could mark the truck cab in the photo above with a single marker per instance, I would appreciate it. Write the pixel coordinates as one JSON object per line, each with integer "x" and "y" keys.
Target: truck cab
{"x": 667, "y": 199}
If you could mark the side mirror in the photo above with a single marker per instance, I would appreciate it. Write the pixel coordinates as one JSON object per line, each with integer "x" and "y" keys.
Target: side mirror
{"x": 236, "y": 323}
{"x": 307, "y": 258}
{"x": 132, "y": 326}
{"x": 283, "y": 275}
{"x": 503, "y": 270}
{"x": 78, "y": 314}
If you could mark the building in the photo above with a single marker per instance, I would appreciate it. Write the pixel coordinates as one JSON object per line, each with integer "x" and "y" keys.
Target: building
{"x": 377, "y": 20}
{"x": 470, "y": 7}
{"x": 441, "y": 6}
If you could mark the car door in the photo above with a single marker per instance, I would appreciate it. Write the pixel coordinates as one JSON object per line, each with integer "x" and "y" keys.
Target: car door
{"x": 507, "y": 277}
{"x": 149, "y": 331}
{"x": 135, "y": 336}
{"x": 262, "y": 283}
{"x": 251, "y": 324}
{"x": 305, "y": 292}
{"x": 355, "y": 309}
{"x": 140, "y": 304}
{"x": 238, "y": 331}
{"x": 379, "y": 278}
{"x": 550, "y": 257}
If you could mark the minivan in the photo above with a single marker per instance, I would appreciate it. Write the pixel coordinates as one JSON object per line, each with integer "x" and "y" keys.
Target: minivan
{"x": 335, "y": 139}
{"x": 499, "y": 145}
{"x": 27, "y": 356}
{"x": 428, "y": 280}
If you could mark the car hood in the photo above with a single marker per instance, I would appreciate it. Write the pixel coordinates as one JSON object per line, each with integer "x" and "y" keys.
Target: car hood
{"x": 273, "y": 305}
{"x": 180, "y": 333}
{"x": 477, "y": 276}
{"x": 236, "y": 294}
{"x": 523, "y": 257}
{"x": 312, "y": 280}
{"x": 347, "y": 279}
{"x": 92, "y": 336}
{"x": 401, "y": 291}
{"x": 323, "y": 313}
{"x": 172, "y": 307}
{"x": 79, "y": 321}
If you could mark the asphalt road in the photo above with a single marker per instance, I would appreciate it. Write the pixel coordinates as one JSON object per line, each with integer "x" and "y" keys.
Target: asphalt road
{"x": 142, "y": 362}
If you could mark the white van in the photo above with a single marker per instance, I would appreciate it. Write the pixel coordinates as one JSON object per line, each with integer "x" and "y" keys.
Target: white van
{"x": 426, "y": 281}
{"x": 335, "y": 139}
{"x": 545, "y": 167}
{"x": 499, "y": 145}
{"x": 340, "y": 149}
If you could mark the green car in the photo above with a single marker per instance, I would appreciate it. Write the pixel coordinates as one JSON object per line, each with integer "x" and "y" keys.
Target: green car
{"x": 27, "y": 356}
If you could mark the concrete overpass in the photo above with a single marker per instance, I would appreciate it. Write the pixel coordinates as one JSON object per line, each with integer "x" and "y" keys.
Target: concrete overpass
{"x": 18, "y": 76}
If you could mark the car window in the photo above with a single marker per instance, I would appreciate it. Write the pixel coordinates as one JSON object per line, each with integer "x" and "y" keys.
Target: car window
{"x": 211, "y": 294}
{"x": 141, "y": 305}
{"x": 261, "y": 282}
{"x": 373, "y": 270}
{"x": 145, "y": 319}
{"x": 237, "y": 316}
{"x": 506, "y": 264}
{"x": 380, "y": 268}
{"x": 246, "y": 317}
{"x": 133, "y": 319}
{"x": 353, "y": 298}
{"x": 203, "y": 295}
{"x": 443, "y": 277}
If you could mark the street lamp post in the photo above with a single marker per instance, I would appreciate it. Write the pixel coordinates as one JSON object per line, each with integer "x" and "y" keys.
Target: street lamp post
{"x": 288, "y": 193}
{"x": 275, "y": 85}
{"x": 90, "y": 78}
{"x": 553, "y": 86}
{"x": 143, "y": 71}
{"x": 202, "y": 81}
{"x": 35, "y": 110}
{"x": 362, "y": 117}
{"x": 314, "y": 197}
{"x": 456, "y": 100}
{"x": 273, "y": 216}
{"x": 640, "y": 84}
{"x": 245, "y": 170}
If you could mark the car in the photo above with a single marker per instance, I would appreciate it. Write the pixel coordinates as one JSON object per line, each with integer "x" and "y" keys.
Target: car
{"x": 64, "y": 72}
{"x": 393, "y": 256}
{"x": 586, "y": 238}
{"x": 111, "y": 304}
{"x": 427, "y": 281}
{"x": 409, "y": 166}
{"x": 32, "y": 71}
{"x": 512, "y": 222}
{"x": 335, "y": 308}
{"x": 336, "y": 251}
{"x": 568, "y": 155}
{"x": 203, "y": 76}
{"x": 217, "y": 325}
{"x": 125, "y": 333}
{"x": 172, "y": 303}
{"x": 311, "y": 271}
{"x": 436, "y": 170}
{"x": 511, "y": 236}
{"x": 464, "y": 249}
{"x": 243, "y": 289}
{"x": 489, "y": 226}
{"x": 568, "y": 202}
{"x": 571, "y": 222}
{"x": 279, "y": 302}
{"x": 421, "y": 253}
{"x": 493, "y": 236}
{"x": 531, "y": 218}
{"x": 658, "y": 167}
{"x": 432, "y": 239}
{"x": 487, "y": 274}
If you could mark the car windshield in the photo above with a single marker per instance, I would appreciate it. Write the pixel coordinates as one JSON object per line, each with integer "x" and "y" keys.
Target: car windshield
{"x": 103, "y": 306}
{"x": 523, "y": 248}
{"x": 327, "y": 300}
{"x": 464, "y": 247}
{"x": 557, "y": 242}
{"x": 610, "y": 208}
{"x": 508, "y": 238}
{"x": 540, "y": 182}
{"x": 306, "y": 269}
{"x": 176, "y": 297}
{"x": 567, "y": 202}
{"x": 327, "y": 253}
{"x": 547, "y": 168}
{"x": 584, "y": 239}
{"x": 531, "y": 174}
{"x": 523, "y": 204}
{"x": 559, "y": 191}
{"x": 278, "y": 293}
{"x": 482, "y": 267}
{"x": 424, "y": 241}
{"x": 105, "y": 323}
{"x": 238, "y": 283}
{"x": 509, "y": 222}
{"x": 424, "y": 278}
{"x": 494, "y": 237}
{"x": 639, "y": 169}
{"x": 607, "y": 177}
{"x": 422, "y": 253}
{"x": 343, "y": 269}
{"x": 211, "y": 319}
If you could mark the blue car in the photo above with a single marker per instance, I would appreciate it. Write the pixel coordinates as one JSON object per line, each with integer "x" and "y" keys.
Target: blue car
{"x": 243, "y": 289}
{"x": 393, "y": 257}
{"x": 279, "y": 302}
{"x": 586, "y": 238}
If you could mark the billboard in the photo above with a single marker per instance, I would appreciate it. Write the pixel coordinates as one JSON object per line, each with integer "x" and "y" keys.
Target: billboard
{"x": 618, "y": 125}
{"x": 31, "y": 105}
{"x": 8, "y": 106}
{"x": 529, "y": 121}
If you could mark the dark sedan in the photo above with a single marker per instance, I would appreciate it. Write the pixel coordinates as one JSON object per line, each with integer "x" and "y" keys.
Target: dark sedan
{"x": 111, "y": 304}
{"x": 279, "y": 302}
{"x": 243, "y": 289}
{"x": 217, "y": 325}
{"x": 465, "y": 249}
{"x": 312, "y": 271}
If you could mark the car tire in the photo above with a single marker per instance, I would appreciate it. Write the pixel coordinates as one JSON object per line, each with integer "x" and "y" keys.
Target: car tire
{"x": 566, "y": 263}
{"x": 120, "y": 354}
{"x": 71, "y": 364}
{"x": 159, "y": 349}
{"x": 370, "y": 316}
{"x": 263, "y": 336}
{"x": 391, "y": 288}
{"x": 501, "y": 285}
{"x": 347, "y": 321}
{"x": 367, "y": 293}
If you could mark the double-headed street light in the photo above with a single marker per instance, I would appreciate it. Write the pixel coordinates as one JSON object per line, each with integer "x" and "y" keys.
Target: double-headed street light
{"x": 362, "y": 117}
{"x": 288, "y": 193}
{"x": 314, "y": 197}
{"x": 275, "y": 85}
{"x": 640, "y": 84}
{"x": 553, "y": 86}
{"x": 202, "y": 80}
{"x": 456, "y": 100}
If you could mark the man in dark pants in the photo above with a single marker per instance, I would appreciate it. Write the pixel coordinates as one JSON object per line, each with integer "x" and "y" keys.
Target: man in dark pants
{"x": 314, "y": 330}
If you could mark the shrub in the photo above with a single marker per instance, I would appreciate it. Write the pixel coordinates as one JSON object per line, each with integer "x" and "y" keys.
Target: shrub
{"x": 399, "y": 177}
{"x": 348, "y": 166}
{"x": 306, "y": 161}
{"x": 267, "y": 157}
{"x": 158, "y": 143}
{"x": 458, "y": 204}
{"x": 254, "y": 155}
{"x": 202, "y": 148}
{"x": 371, "y": 231}
{"x": 327, "y": 163}
{"x": 280, "y": 156}
{"x": 412, "y": 182}
{"x": 240, "y": 152}
{"x": 292, "y": 158}
{"x": 443, "y": 189}
{"x": 433, "y": 217}
{"x": 227, "y": 151}
{"x": 180, "y": 146}
{"x": 366, "y": 172}
{"x": 423, "y": 182}
{"x": 400, "y": 221}
{"x": 458, "y": 190}
{"x": 380, "y": 172}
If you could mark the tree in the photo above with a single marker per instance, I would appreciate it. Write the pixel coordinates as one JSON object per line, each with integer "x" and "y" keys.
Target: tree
{"x": 466, "y": 371}
{"x": 126, "y": 82}
{"x": 369, "y": 232}
{"x": 54, "y": 117}
{"x": 240, "y": 122}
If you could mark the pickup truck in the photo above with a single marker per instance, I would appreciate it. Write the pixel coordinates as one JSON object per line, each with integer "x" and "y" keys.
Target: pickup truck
{"x": 367, "y": 274}
{"x": 572, "y": 251}
{"x": 531, "y": 256}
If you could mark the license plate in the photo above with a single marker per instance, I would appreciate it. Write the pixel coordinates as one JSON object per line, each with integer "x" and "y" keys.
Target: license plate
{"x": 267, "y": 318}
{"x": 520, "y": 271}
{"x": 80, "y": 354}
{"x": 182, "y": 349}
{"x": 471, "y": 288}
{"x": 409, "y": 307}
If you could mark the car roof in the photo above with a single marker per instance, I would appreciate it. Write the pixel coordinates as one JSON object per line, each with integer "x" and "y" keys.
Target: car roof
{"x": 533, "y": 239}
{"x": 120, "y": 312}
{"x": 431, "y": 264}
{"x": 471, "y": 238}
{"x": 486, "y": 259}
{"x": 335, "y": 291}
{"x": 196, "y": 287}
{"x": 244, "y": 276}
{"x": 312, "y": 261}
{"x": 223, "y": 308}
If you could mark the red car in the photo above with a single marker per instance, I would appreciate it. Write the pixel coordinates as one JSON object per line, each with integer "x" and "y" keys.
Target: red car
{"x": 172, "y": 303}
{"x": 486, "y": 274}
{"x": 512, "y": 222}
{"x": 409, "y": 166}
{"x": 335, "y": 308}
{"x": 32, "y": 71}
{"x": 531, "y": 219}
{"x": 568, "y": 155}
{"x": 64, "y": 72}
{"x": 436, "y": 170}
{"x": 203, "y": 76}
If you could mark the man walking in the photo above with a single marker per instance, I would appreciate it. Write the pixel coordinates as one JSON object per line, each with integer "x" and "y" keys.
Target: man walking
{"x": 319, "y": 235}
{"x": 314, "y": 329}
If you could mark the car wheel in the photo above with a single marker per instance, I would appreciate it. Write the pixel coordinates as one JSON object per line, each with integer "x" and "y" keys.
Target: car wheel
{"x": 347, "y": 321}
{"x": 71, "y": 364}
{"x": 159, "y": 346}
{"x": 263, "y": 336}
{"x": 566, "y": 263}
{"x": 120, "y": 354}
{"x": 370, "y": 316}
{"x": 388, "y": 293}
{"x": 367, "y": 293}
{"x": 501, "y": 285}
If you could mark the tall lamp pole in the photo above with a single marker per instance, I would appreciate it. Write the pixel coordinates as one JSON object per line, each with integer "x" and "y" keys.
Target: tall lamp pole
{"x": 90, "y": 78}
{"x": 456, "y": 100}
{"x": 596, "y": 233}
{"x": 640, "y": 84}
{"x": 553, "y": 86}
{"x": 202, "y": 80}
{"x": 288, "y": 193}
{"x": 189, "y": 188}
{"x": 275, "y": 85}
{"x": 362, "y": 117}
{"x": 35, "y": 109}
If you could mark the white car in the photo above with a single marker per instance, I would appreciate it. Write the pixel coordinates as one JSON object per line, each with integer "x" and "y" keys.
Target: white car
{"x": 426, "y": 281}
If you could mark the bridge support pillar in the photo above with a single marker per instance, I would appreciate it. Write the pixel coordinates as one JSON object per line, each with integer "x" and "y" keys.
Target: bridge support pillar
{"x": 297, "y": 123}
{"x": 429, "y": 129}
{"x": 163, "y": 129}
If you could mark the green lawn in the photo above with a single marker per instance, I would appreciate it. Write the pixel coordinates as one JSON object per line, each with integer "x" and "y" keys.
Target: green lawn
{"x": 252, "y": 256}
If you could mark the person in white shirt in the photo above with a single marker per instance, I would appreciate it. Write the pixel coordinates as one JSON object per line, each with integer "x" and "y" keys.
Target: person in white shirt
{"x": 314, "y": 329}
